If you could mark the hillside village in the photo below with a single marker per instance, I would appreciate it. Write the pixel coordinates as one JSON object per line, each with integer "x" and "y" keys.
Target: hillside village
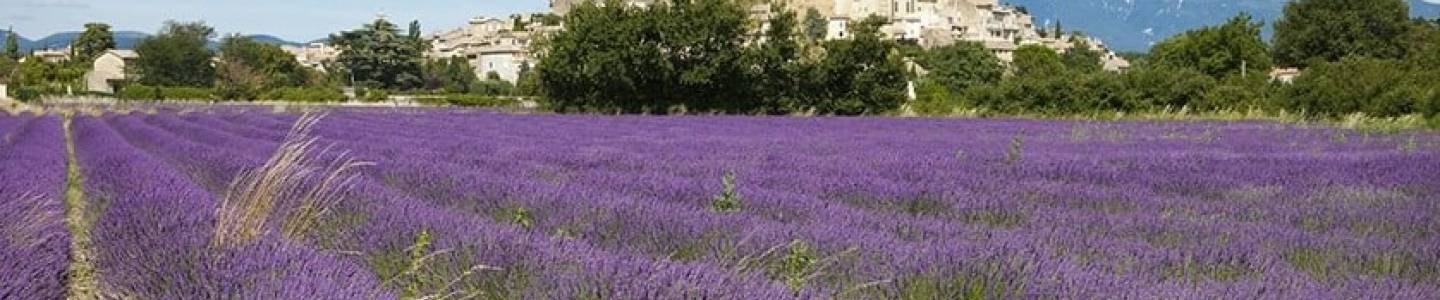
{"x": 502, "y": 45}
{"x": 843, "y": 57}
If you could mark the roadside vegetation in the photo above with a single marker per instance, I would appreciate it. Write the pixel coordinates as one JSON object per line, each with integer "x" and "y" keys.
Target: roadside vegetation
{"x": 1376, "y": 66}
{"x": 1361, "y": 60}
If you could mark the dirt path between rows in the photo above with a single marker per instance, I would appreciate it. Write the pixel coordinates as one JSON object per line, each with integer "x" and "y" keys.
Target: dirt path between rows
{"x": 82, "y": 283}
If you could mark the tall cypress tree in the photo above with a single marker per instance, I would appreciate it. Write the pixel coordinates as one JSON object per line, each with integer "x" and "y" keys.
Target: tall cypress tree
{"x": 12, "y": 44}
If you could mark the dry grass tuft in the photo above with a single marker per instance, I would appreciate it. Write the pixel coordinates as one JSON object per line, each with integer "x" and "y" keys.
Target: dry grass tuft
{"x": 297, "y": 177}
{"x": 29, "y": 230}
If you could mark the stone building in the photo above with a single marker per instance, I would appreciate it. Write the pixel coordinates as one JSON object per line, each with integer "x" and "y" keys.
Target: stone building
{"x": 491, "y": 44}
{"x": 930, "y": 23}
{"x": 49, "y": 55}
{"x": 313, "y": 55}
{"x": 110, "y": 70}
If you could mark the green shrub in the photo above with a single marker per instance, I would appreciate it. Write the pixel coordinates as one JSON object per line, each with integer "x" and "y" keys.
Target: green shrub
{"x": 729, "y": 200}
{"x": 375, "y": 95}
{"x": 1376, "y": 87}
{"x": 305, "y": 94}
{"x": 492, "y": 87}
{"x": 472, "y": 100}
{"x": 143, "y": 92}
{"x": 1237, "y": 93}
{"x": 27, "y": 94}
{"x": 1160, "y": 87}
{"x": 140, "y": 92}
{"x": 933, "y": 98}
{"x": 187, "y": 93}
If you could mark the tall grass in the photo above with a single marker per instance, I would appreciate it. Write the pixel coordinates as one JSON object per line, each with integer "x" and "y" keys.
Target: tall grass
{"x": 297, "y": 186}
{"x": 29, "y": 230}
{"x": 1356, "y": 121}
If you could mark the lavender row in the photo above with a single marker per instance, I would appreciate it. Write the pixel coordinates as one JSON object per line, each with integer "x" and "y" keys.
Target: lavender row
{"x": 153, "y": 230}
{"x": 34, "y": 242}
{"x": 1178, "y": 184}
{"x": 392, "y": 222}
{"x": 1172, "y": 244}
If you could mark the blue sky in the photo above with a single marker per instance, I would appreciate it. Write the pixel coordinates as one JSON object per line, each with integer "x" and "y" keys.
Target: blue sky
{"x": 295, "y": 20}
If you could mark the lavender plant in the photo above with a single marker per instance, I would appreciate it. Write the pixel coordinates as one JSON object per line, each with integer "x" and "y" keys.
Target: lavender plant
{"x": 579, "y": 206}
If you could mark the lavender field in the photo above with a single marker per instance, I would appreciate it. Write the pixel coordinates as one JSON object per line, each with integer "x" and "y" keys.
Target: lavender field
{"x": 478, "y": 205}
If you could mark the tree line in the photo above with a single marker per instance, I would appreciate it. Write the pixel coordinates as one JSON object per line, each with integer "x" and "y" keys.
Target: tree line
{"x": 701, "y": 56}
{"x": 180, "y": 63}
{"x": 1358, "y": 56}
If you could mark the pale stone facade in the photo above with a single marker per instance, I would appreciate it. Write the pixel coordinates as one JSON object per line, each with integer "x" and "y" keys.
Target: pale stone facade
{"x": 1285, "y": 75}
{"x": 50, "y": 56}
{"x": 490, "y": 45}
{"x": 108, "y": 70}
{"x": 314, "y": 55}
{"x": 929, "y": 23}
{"x": 562, "y": 7}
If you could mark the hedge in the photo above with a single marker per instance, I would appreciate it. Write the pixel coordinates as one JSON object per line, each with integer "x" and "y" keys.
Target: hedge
{"x": 303, "y": 94}
{"x": 141, "y": 92}
{"x": 472, "y": 100}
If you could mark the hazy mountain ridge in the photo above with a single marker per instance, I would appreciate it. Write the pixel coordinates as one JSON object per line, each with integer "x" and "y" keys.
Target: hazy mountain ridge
{"x": 123, "y": 40}
{"x": 1133, "y": 25}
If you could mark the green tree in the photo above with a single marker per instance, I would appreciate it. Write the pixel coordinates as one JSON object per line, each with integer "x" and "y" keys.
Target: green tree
{"x": 859, "y": 75}
{"x": 177, "y": 56}
{"x": 1377, "y": 87}
{"x": 1218, "y": 51}
{"x": 517, "y": 24}
{"x": 1327, "y": 30}
{"x": 701, "y": 43}
{"x": 778, "y": 62}
{"x": 961, "y": 65}
{"x": 7, "y": 67}
{"x": 452, "y": 75}
{"x": 1423, "y": 44}
{"x": 528, "y": 81}
{"x": 1081, "y": 58}
{"x": 35, "y": 72}
{"x": 378, "y": 56}
{"x": 932, "y": 98}
{"x": 615, "y": 57}
{"x": 417, "y": 37}
{"x": 1155, "y": 87}
{"x": 47, "y": 77}
{"x": 815, "y": 25}
{"x": 12, "y": 45}
{"x": 596, "y": 61}
{"x": 95, "y": 40}
{"x": 247, "y": 68}
{"x": 1037, "y": 61}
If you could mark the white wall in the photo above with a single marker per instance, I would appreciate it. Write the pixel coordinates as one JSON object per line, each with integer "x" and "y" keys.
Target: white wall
{"x": 507, "y": 64}
{"x": 837, "y": 29}
{"x": 107, "y": 67}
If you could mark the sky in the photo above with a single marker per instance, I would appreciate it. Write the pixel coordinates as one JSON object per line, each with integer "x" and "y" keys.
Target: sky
{"x": 294, "y": 20}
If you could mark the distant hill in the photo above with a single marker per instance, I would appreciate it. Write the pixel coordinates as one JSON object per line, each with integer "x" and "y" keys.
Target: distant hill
{"x": 123, "y": 40}
{"x": 273, "y": 40}
{"x": 24, "y": 42}
{"x": 1130, "y": 25}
